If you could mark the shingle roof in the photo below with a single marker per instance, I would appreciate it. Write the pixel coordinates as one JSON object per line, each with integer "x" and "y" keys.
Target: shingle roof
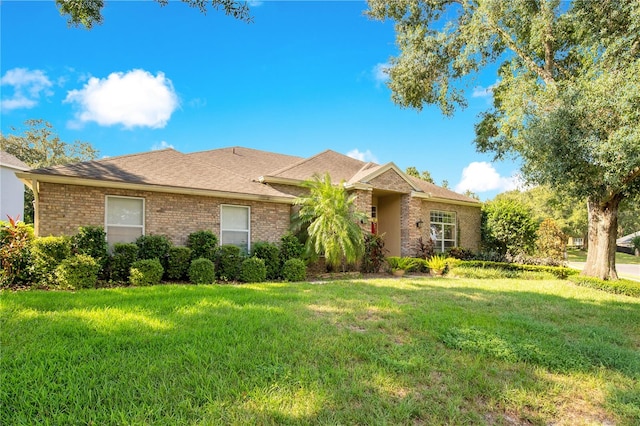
{"x": 233, "y": 170}
{"x": 339, "y": 166}
{"x": 11, "y": 161}
{"x": 174, "y": 169}
{"x": 440, "y": 192}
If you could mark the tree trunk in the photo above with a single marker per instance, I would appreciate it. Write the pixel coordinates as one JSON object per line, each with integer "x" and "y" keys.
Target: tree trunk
{"x": 603, "y": 225}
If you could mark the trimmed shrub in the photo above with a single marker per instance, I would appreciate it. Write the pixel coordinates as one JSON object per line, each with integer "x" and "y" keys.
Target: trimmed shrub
{"x": 178, "y": 262}
{"x": 124, "y": 254}
{"x": 202, "y": 271}
{"x": 290, "y": 247}
{"x": 621, "y": 286}
{"x": 374, "y": 251}
{"x": 146, "y": 272}
{"x": 523, "y": 259}
{"x": 229, "y": 262}
{"x": 253, "y": 270}
{"x": 78, "y": 271}
{"x": 92, "y": 241}
{"x": 557, "y": 271}
{"x": 15, "y": 252}
{"x": 294, "y": 270}
{"x": 46, "y": 254}
{"x": 154, "y": 247}
{"x": 203, "y": 244}
{"x": 270, "y": 253}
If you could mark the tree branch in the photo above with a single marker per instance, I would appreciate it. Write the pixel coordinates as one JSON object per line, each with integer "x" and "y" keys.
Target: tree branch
{"x": 546, "y": 76}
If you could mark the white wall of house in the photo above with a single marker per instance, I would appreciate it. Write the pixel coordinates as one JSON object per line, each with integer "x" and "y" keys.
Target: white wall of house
{"x": 11, "y": 194}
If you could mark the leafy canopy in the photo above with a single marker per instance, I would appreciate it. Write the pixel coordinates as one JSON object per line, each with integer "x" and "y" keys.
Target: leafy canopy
{"x": 87, "y": 13}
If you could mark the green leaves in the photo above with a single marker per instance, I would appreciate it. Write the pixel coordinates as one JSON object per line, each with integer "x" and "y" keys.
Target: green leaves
{"x": 333, "y": 223}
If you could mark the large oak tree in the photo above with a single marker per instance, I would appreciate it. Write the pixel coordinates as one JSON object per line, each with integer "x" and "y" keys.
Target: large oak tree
{"x": 87, "y": 13}
{"x": 567, "y": 98}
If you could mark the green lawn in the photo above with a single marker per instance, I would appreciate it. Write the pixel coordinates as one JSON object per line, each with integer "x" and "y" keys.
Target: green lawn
{"x": 576, "y": 255}
{"x": 388, "y": 351}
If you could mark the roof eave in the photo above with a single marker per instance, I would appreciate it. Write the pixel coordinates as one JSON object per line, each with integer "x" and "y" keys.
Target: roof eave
{"x": 29, "y": 178}
{"x": 456, "y": 202}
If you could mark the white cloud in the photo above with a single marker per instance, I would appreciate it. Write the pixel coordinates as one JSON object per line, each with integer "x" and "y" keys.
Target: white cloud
{"x": 481, "y": 176}
{"x": 135, "y": 98}
{"x": 161, "y": 145}
{"x": 28, "y": 86}
{"x": 484, "y": 92}
{"x": 254, "y": 3}
{"x": 380, "y": 72}
{"x": 362, "y": 156}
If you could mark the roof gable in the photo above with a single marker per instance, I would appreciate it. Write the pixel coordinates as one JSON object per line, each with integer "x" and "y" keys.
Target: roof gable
{"x": 339, "y": 166}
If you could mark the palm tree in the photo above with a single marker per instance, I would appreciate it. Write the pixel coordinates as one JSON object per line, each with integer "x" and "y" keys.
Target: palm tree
{"x": 333, "y": 222}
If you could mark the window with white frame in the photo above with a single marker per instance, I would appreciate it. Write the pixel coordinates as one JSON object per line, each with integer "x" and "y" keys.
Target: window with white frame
{"x": 234, "y": 226}
{"x": 443, "y": 230}
{"x": 124, "y": 219}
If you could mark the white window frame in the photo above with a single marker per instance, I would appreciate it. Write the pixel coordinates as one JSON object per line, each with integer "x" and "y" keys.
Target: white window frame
{"x": 248, "y": 230}
{"x": 106, "y": 216}
{"x": 439, "y": 245}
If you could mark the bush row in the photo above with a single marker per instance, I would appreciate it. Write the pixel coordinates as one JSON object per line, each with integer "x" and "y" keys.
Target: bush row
{"x": 79, "y": 261}
{"x": 621, "y": 286}
{"x": 557, "y": 271}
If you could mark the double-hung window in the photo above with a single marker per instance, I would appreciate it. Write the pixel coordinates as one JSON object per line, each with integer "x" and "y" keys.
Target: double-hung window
{"x": 234, "y": 226}
{"x": 124, "y": 219}
{"x": 443, "y": 230}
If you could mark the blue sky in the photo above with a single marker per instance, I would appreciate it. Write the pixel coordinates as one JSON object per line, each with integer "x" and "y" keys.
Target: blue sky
{"x": 302, "y": 78}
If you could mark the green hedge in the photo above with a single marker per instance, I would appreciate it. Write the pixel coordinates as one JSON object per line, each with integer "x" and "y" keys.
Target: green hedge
{"x": 270, "y": 253}
{"x": 46, "y": 254}
{"x": 557, "y": 271}
{"x": 124, "y": 254}
{"x": 229, "y": 262}
{"x": 294, "y": 270}
{"x": 202, "y": 271}
{"x": 78, "y": 271}
{"x": 178, "y": 262}
{"x": 253, "y": 270}
{"x": 622, "y": 286}
{"x": 203, "y": 244}
{"x": 146, "y": 272}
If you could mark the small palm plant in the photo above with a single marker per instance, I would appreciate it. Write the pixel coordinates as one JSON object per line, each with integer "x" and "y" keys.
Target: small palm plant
{"x": 332, "y": 220}
{"x": 437, "y": 264}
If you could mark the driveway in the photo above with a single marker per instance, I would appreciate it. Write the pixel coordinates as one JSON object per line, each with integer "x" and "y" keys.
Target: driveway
{"x": 624, "y": 270}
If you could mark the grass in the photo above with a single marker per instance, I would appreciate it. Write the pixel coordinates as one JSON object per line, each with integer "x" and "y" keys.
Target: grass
{"x": 577, "y": 255}
{"x": 388, "y": 351}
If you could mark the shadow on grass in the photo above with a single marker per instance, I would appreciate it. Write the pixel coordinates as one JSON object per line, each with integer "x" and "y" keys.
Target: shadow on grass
{"x": 435, "y": 351}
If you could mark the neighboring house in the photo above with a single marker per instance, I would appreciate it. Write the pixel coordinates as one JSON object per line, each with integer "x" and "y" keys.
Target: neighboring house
{"x": 575, "y": 242}
{"x": 623, "y": 244}
{"x": 242, "y": 195}
{"x": 11, "y": 188}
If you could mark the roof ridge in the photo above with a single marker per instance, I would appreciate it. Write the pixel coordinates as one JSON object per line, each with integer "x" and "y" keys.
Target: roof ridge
{"x": 296, "y": 164}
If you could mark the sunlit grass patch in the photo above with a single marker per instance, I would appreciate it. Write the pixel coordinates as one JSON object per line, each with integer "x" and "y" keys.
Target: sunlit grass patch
{"x": 387, "y": 351}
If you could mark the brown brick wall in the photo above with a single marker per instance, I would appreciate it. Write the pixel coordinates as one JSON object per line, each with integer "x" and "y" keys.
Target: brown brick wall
{"x": 390, "y": 180}
{"x": 63, "y": 208}
{"x": 468, "y": 222}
